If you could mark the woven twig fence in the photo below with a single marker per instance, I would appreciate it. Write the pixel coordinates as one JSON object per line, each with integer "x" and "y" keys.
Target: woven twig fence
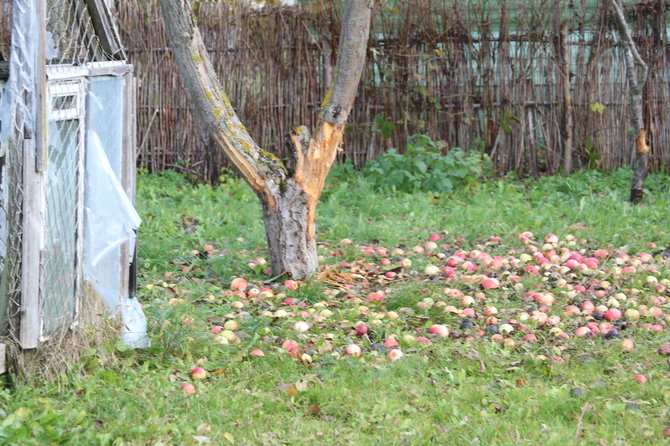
{"x": 481, "y": 75}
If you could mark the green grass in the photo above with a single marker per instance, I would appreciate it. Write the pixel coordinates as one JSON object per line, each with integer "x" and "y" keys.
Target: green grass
{"x": 451, "y": 392}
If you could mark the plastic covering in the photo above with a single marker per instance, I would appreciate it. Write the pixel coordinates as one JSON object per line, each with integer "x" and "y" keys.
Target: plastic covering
{"x": 15, "y": 108}
{"x": 16, "y": 125}
{"x": 110, "y": 221}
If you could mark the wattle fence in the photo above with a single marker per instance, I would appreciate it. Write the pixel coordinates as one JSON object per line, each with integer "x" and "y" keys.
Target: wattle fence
{"x": 480, "y": 75}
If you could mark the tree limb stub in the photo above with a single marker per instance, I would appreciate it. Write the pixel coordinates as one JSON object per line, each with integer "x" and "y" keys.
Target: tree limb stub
{"x": 212, "y": 105}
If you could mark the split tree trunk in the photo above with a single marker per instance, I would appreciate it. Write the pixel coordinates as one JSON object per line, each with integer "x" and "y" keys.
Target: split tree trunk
{"x": 289, "y": 194}
{"x": 634, "y": 60}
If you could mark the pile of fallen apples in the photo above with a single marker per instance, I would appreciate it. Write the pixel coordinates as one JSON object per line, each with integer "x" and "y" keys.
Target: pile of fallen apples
{"x": 536, "y": 299}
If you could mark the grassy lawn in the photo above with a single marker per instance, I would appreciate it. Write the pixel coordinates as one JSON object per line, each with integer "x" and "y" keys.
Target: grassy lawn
{"x": 486, "y": 383}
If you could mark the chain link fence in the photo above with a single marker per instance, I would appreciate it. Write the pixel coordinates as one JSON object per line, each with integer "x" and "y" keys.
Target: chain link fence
{"x": 5, "y": 27}
{"x": 80, "y": 31}
{"x": 63, "y": 206}
{"x": 15, "y": 125}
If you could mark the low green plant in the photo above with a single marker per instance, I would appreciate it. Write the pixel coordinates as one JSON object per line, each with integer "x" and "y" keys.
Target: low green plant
{"x": 424, "y": 168}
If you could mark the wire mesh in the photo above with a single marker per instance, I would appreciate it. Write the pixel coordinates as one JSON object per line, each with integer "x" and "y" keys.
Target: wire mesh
{"x": 5, "y": 28}
{"x": 3, "y": 195}
{"x": 10, "y": 285}
{"x": 78, "y": 31}
{"x": 62, "y": 203}
{"x": 16, "y": 114}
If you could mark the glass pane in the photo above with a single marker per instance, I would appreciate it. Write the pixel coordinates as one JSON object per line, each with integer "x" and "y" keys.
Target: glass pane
{"x": 64, "y": 102}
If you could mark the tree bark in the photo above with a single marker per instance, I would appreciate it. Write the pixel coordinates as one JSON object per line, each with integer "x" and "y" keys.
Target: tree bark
{"x": 634, "y": 60}
{"x": 289, "y": 195}
{"x": 567, "y": 99}
{"x": 286, "y": 229}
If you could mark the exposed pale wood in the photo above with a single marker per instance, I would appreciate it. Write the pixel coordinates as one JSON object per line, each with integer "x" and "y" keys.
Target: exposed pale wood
{"x": 128, "y": 172}
{"x": 132, "y": 88}
{"x": 3, "y": 358}
{"x": 79, "y": 244}
{"x": 33, "y": 244}
{"x": 34, "y": 155}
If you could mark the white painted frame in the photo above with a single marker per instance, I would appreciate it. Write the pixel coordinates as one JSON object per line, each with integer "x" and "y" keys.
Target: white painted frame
{"x": 66, "y": 86}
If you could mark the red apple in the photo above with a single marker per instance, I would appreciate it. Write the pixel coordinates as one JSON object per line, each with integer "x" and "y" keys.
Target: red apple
{"x": 394, "y": 355}
{"x": 199, "y": 374}
{"x": 361, "y": 329}
{"x": 490, "y": 283}
{"x": 291, "y": 347}
{"x": 627, "y": 345}
{"x": 582, "y": 331}
{"x": 291, "y": 284}
{"x": 352, "y": 350}
{"x": 391, "y": 342}
{"x": 238, "y": 284}
{"x": 613, "y": 315}
{"x": 530, "y": 337}
{"x": 424, "y": 340}
{"x": 188, "y": 388}
{"x": 439, "y": 330}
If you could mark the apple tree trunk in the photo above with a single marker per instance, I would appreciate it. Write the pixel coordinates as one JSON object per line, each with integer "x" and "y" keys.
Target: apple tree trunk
{"x": 288, "y": 193}
{"x": 636, "y": 84}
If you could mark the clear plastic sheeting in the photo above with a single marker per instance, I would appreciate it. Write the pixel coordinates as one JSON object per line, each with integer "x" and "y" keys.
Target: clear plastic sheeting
{"x": 134, "y": 331}
{"x": 110, "y": 220}
{"x": 105, "y": 101}
{"x": 17, "y": 125}
{"x": 18, "y": 101}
